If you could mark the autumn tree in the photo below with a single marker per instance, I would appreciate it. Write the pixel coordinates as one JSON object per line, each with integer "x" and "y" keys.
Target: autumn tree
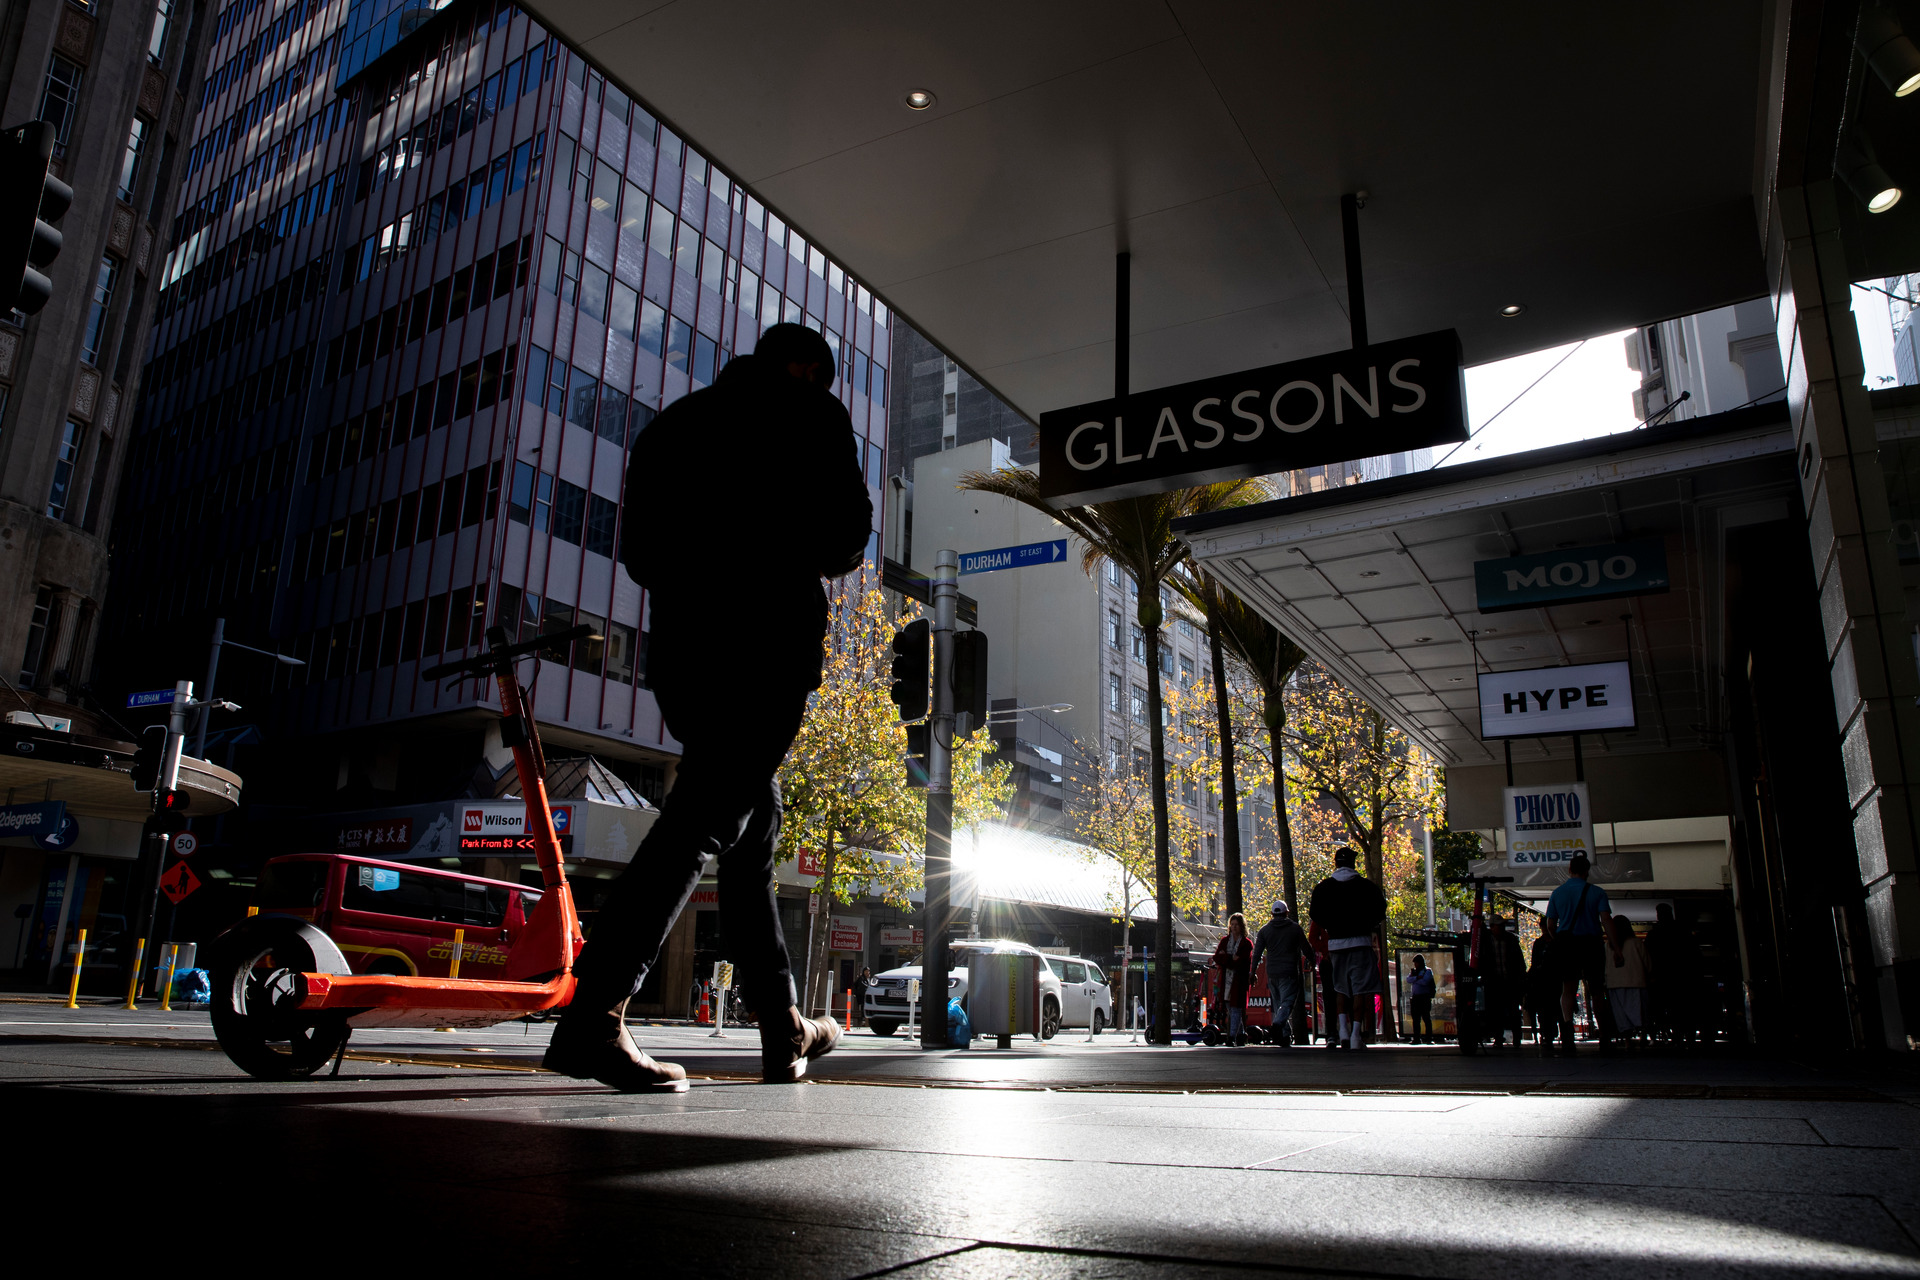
{"x": 844, "y": 782}
{"x": 1113, "y": 813}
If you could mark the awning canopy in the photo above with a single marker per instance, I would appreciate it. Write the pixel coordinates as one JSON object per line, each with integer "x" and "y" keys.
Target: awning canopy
{"x": 1376, "y": 581}
{"x": 1510, "y": 152}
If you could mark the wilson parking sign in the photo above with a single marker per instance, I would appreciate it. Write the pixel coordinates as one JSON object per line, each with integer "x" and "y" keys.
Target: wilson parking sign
{"x": 1548, "y": 825}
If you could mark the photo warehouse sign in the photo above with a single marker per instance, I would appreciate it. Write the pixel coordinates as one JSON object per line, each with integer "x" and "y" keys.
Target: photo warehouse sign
{"x": 1548, "y": 825}
{"x": 1387, "y": 398}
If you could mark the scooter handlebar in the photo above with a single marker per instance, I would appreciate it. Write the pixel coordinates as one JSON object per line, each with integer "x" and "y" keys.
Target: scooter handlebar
{"x": 500, "y": 658}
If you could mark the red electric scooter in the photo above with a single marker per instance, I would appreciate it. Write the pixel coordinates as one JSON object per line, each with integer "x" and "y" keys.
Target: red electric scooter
{"x": 284, "y": 998}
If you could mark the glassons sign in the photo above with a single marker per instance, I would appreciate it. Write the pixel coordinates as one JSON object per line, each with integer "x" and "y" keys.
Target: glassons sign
{"x": 1391, "y": 397}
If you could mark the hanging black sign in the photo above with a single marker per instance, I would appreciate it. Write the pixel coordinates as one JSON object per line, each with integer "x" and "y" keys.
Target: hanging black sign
{"x": 1391, "y": 397}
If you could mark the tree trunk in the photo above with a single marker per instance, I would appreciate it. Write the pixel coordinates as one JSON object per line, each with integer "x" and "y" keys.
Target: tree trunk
{"x": 1160, "y": 1015}
{"x": 819, "y": 981}
{"x": 1229, "y": 787}
{"x": 1273, "y": 710}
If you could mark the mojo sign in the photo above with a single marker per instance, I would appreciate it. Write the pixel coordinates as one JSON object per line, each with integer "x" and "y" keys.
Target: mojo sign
{"x": 1387, "y": 398}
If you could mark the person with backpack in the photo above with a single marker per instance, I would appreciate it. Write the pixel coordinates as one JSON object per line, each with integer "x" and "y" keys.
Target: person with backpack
{"x": 740, "y": 498}
{"x": 1351, "y": 907}
{"x": 1582, "y": 931}
{"x": 1420, "y": 989}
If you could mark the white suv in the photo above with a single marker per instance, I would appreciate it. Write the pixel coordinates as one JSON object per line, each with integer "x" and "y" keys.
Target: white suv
{"x": 1085, "y": 998}
{"x": 886, "y": 1002}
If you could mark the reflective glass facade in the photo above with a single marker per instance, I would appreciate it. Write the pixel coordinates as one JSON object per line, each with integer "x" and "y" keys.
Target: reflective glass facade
{"x": 417, "y": 308}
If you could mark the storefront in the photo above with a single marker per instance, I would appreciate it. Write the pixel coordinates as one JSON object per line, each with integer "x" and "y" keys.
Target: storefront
{"x": 1710, "y": 779}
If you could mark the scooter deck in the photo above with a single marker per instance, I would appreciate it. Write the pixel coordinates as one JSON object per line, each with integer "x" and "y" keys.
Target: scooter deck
{"x": 382, "y": 1000}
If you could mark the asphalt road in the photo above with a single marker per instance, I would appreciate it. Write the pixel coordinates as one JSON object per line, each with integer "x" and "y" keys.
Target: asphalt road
{"x": 449, "y": 1150}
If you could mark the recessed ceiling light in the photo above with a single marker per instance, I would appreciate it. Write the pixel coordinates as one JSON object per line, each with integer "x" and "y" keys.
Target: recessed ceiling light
{"x": 1369, "y": 573}
{"x": 1491, "y": 631}
{"x": 1421, "y": 639}
{"x": 919, "y": 99}
{"x": 1519, "y": 648}
{"x": 1456, "y": 679}
{"x": 1513, "y": 309}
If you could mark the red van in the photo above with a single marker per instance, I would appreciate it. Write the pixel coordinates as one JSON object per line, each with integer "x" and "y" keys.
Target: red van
{"x": 398, "y": 918}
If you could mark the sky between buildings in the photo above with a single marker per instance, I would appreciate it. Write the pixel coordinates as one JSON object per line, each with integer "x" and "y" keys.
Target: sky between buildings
{"x": 1585, "y": 389}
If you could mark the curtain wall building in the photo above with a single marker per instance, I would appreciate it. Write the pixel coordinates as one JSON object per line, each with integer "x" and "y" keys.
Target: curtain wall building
{"x": 427, "y": 278}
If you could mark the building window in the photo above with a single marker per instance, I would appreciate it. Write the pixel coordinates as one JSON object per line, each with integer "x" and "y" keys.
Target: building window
{"x": 1113, "y": 572}
{"x": 157, "y": 42}
{"x": 1186, "y": 672}
{"x": 60, "y": 493}
{"x": 130, "y": 164}
{"x": 40, "y": 628}
{"x": 1142, "y": 764}
{"x": 60, "y": 100}
{"x": 1166, "y": 655}
{"x": 1139, "y": 705}
{"x": 96, "y": 334}
{"x": 1139, "y": 643}
{"x": 1113, "y": 756}
{"x": 1113, "y": 629}
{"x": 1113, "y": 691}
{"x": 1190, "y": 792}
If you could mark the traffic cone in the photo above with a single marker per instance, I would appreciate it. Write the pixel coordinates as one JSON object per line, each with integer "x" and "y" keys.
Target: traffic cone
{"x": 705, "y": 1016}
{"x": 849, "y": 1009}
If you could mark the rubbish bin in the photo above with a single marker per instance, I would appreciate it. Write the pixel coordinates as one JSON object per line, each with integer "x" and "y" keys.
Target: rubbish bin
{"x": 1003, "y": 995}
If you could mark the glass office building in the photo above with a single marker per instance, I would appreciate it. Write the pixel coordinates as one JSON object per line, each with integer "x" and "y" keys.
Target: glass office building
{"x": 428, "y": 278}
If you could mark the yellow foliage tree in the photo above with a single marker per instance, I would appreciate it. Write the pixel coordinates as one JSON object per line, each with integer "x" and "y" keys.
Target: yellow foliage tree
{"x": 844, "y": 782}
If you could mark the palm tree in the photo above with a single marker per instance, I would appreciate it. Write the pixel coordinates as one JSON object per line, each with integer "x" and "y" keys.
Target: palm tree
{"x": 1266, "y": 652}
{"x": 1136, "y": 534}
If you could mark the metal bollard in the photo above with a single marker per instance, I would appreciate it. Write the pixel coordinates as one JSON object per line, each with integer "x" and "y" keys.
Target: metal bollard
{"x": 166, "y": 985}
{"x": 133, "y": 974}
{"x": 79, "y": 958}
{"x": 459, "y": 943}
{"x": 849, "y": 1008}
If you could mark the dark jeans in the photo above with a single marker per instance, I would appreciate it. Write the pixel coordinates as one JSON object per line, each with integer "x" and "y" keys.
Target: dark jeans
{"x": 1421, "y": 1014}
{"x": 725, "y": 803}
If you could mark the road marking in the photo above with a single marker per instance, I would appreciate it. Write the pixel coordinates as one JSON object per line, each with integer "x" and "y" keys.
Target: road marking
{"x": 1303, "y": 1150}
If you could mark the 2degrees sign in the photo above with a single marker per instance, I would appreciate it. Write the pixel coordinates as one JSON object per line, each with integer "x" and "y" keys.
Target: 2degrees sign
{"x": 1391, "y": 397}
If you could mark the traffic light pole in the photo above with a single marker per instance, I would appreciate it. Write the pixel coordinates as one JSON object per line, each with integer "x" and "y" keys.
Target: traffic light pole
{"x": 939, "y": 868}
{"x": 154, "y": 857}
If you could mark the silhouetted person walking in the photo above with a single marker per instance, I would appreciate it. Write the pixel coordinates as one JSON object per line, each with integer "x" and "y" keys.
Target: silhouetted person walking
{"x": 1284, "y": 944}
{"x": 740, "y": 498}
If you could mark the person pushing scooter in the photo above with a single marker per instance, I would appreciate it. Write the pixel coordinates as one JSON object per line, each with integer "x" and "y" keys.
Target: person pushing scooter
{"x": 740, "y": 498}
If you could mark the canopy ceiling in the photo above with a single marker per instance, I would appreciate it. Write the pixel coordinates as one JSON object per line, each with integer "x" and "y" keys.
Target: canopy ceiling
{"x": 1592, "y": 163}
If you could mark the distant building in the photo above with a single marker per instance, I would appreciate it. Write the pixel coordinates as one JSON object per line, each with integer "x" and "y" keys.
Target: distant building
{"x": 1721, "y": 359}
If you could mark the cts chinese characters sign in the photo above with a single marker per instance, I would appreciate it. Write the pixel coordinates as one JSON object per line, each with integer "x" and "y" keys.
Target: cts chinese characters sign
{"x": 392, "y": 836}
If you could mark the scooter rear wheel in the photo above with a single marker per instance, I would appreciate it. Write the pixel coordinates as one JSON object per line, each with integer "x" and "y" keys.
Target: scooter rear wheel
{"x": 256, "y": 992}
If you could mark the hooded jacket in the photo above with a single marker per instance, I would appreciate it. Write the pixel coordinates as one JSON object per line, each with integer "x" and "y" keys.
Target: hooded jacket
{"x": 1348, "y": 906}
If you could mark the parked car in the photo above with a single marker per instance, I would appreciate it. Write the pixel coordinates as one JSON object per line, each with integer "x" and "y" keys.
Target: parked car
{"x": 886, "y": 1003}
{"x": 399, "y": 918}
{"x": 1085, "y": 998}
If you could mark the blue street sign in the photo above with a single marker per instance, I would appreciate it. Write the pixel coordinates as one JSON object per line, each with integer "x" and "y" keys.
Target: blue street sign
{"x": 38, "y": 819}
{"x": 152, "y": 698}
{"x": 1013, "y": 557}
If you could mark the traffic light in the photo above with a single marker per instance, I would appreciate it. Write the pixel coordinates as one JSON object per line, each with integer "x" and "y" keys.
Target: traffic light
{"x": 146, "y": 758}
{"x": 31, "y": 200}
{"x": 969, "y": 681}
{"x": 175, "y": 801}
{"x": 911, "y": 647}
{"x": 919, "y": 749}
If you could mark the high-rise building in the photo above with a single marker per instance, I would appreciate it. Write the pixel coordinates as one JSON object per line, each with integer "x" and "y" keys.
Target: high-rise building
{"x": 428, "y": 277}
{"x": 114, "y": 80}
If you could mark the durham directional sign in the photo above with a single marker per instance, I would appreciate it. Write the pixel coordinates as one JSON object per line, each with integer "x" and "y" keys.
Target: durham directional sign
{"x": 1391, "y": 397}
{"x": 1637, "y": 568}
{"x": 1014, "y": 557}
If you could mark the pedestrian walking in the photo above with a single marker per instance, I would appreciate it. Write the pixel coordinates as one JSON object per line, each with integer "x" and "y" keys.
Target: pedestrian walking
{"x": 1543, "y": 987}
{"x": 1420, "y": 989}
{"x": 1673, "y": 989}
{"x": 1505, "y": 979}
{"x": 739, "y": 615}
{"x": 1627, "y": 979}
{"x": 1351, "y": 907}
{"x": 1233, "y": 957}
{"x": 1284, "y": 945}
{"x": 1582, "y": 920}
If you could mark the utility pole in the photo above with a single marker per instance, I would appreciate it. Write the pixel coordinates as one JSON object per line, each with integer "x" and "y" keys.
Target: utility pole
{"x": 154, "y": 856}
{"x": 939, "y": 868}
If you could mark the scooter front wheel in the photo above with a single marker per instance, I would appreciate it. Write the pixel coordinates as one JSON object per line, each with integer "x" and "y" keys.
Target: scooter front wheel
{"x": 256, "y": 995}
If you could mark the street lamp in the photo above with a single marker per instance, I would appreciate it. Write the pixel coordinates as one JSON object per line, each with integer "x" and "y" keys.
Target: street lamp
{"x": 213, "y": 669}
{"x": 1015, "y": 711}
